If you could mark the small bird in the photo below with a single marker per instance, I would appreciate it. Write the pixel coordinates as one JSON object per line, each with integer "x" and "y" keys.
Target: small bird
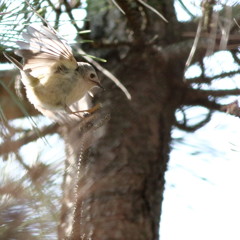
{"x": 51, "y": 75}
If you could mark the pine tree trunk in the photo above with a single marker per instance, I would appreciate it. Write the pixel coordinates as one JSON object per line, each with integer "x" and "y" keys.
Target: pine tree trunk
{"x": 123, "y": 175}
{"x": 121, "y": 180}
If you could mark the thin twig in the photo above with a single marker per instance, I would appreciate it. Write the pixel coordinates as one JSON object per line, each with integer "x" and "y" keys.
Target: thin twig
{"x": 236, "y": 22}
{"x": 153, "y": 10}
{"x": 12, "y": 146}
{"x": 194, "y": 47}
{"x": 209, "y": 79}
{"x": 221, "y": 93}
{"x": 69, "y": 13}
{"x": 120, "y": 9}
{"x": 226, "y": 29}
{"x": 191, "y": 128}
{"x": 186, "y": 9}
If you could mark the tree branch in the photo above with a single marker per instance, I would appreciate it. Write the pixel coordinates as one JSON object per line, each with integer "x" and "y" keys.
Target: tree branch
{"x": 233, "y": 39}
{"x": 196, "y": 97}
{"x": 69, "y": 12}
{"x": 180, "y": 51}
{"x": 184, "y": 126}
{"x": 234, "y": 55}
{"x": 209, "y": 79}
{"x": 186, "y": 9}
{"x": 13, "y": 146}
{"x": 134, "y": 18}
{"x": 214, "y": 40}
{"x": 207, "y": 12}
{"x": 221, "y": 93}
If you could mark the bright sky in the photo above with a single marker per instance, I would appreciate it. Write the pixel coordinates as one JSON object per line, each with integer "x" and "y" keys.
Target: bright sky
{"x": 202, "y": 195}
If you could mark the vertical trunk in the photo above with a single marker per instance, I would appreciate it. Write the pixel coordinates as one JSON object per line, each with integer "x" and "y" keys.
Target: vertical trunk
{"x": 121, "y": 180}
{"x": 127, "y": 179}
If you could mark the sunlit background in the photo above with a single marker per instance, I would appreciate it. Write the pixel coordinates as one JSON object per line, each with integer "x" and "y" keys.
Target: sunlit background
{"x": 202, "y": 195}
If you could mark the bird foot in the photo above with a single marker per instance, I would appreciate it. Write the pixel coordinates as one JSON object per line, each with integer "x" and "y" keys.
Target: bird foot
{"x": 86, "y": 112}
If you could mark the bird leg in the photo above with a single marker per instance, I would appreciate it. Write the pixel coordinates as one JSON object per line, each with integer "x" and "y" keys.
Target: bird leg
{"x": 90, "y": 111}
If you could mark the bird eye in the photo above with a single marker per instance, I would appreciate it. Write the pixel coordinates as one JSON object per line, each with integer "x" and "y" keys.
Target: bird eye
{"x": 61, "y": 69}
{"x": 92, "y": 75}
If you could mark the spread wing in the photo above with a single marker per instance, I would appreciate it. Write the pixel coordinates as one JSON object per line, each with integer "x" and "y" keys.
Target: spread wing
{"x": 43, "y": 51}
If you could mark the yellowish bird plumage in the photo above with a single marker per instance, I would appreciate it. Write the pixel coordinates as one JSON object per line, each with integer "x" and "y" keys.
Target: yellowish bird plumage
{"x": 51, "y": 75}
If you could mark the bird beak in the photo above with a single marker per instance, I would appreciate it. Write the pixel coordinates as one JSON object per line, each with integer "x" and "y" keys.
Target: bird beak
{"x": 98, "y": 84}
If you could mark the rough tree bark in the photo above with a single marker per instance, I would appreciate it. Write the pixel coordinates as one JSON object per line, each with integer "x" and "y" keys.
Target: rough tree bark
{"x": 122, "y": 177}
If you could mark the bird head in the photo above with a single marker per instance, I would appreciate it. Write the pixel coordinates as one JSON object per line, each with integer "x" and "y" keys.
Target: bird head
{"x": 89, "y": 74}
